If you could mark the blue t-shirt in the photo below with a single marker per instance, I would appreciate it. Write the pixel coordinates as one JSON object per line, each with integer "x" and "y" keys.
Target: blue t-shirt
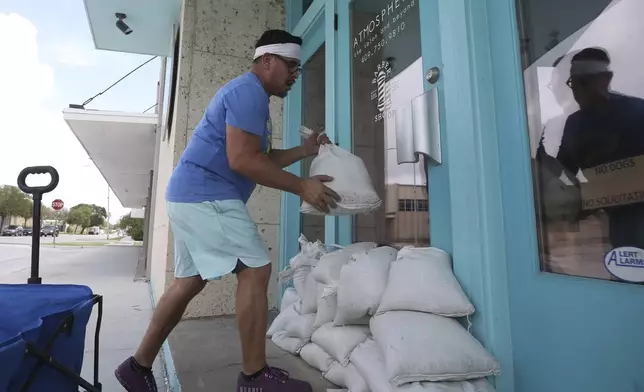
{"x": 203, "y": 172}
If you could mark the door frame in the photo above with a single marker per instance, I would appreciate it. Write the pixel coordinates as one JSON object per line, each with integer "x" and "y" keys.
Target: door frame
{"x": 469, "y": 181}
{"x": 466, "y": 198}
{"x": 316, "y": 27}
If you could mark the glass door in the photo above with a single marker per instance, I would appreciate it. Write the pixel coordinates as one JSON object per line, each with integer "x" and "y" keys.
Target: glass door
{"x": 310, "y": 103}
{"x": 386, "y": 76}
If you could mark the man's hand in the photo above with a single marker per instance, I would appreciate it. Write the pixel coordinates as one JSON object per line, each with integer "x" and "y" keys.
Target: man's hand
{"x": 314, "y": 192}
{"x": 312, "y": 144}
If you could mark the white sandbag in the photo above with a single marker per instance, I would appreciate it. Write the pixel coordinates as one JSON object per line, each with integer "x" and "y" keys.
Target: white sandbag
{"x": 351, "y": 182}
{"x": 327, "y": 307}
{"x": 328, "y": 268}
{"x": 370, "y": 363}
{"x": 301, "y": 327}
{"x": 289, "y": 298}
{"x": 422, "y": 280}
{"x": 310, "y": 253}
{"x": 282, "y": 320}
{"x": 362, "y": 321}
{"x": 480, "y": 385}
{"x": 312, "y": 291}
{"x": 290, "y": 345}
{"x": 347, "y": 377}
{"x": 339, "y": 342}
{"x": 299, "y": 280}
{"x": 368, "y": 359}
{"x": 316, "y": 357}
{"x": 362, "y": 283}
{"x": 301, "y": 264}
{"x": 424, "y": 347}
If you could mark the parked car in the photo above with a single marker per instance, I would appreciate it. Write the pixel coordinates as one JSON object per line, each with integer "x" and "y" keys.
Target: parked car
{"x": 94, "y": 230}
{"x": 49, "y": 231}
{"x": 12, "y": 231}
{"x": 27, "y": 231}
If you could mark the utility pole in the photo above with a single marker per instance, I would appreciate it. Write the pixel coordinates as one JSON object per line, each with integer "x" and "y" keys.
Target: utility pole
{"x": 108, "y": 211}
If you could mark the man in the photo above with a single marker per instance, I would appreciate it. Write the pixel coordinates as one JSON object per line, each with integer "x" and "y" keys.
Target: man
{"x": 229, "y": 153}
{"x": 607, "y": 127}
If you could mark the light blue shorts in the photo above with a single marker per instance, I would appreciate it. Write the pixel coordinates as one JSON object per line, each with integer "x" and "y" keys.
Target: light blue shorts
{"x": 210, "y": 237}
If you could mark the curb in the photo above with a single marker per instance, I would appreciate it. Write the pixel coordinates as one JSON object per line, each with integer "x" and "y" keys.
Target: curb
{"x": 171, "y": 371}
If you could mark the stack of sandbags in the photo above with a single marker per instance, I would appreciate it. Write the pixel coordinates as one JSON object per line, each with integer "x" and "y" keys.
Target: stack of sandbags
{"x": 361, "y": 285}
{"x": 327, "y": 278}
{"x": 293, "y": 327}
{"x": 352, "y": 294}
{"x": 331, "y": 346}
{"x": 417, "y": 344}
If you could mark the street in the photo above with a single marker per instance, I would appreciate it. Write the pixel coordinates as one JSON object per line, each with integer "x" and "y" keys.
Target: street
{"x": 108, "y": 270}
{"x": 62, "y": 238}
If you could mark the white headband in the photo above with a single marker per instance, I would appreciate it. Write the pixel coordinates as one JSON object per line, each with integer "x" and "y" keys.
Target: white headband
{"x": 285, "y": 50}
{"x": 588, "y": 67}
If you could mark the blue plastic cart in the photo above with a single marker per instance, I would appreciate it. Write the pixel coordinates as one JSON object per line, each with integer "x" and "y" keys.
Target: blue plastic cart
{"x": 42, "y": 326}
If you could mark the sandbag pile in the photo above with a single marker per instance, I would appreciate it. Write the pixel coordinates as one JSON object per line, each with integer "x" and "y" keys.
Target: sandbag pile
{"x": 293, "y": 327}
{"x": 374, "y": 319}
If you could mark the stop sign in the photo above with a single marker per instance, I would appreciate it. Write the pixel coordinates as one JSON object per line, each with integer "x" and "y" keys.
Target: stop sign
{"x": 57, "y": 204}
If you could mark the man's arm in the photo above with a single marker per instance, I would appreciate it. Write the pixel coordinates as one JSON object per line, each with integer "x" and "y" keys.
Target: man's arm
{"x": 285, "y": 158}
{"x": 567, "y": 154}
{"x": 246, "y": 157}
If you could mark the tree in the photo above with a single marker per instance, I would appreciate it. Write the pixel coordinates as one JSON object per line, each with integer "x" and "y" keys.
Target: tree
{"x": 80, "y": 215}
{"x": 132, "y": 226}
{"x": 47, "y": 212}
{"x": 95, "y": 215}
{"x": 26, "y": 209}
{"x": 12, "y": 202}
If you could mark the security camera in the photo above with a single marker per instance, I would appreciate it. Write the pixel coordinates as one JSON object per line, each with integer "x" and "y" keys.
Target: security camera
{"x": 122, "y": 25}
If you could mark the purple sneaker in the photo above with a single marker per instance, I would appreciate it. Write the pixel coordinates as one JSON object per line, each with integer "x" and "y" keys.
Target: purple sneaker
{"x": 273, "y": 380}
{"x": 134, "y": 378}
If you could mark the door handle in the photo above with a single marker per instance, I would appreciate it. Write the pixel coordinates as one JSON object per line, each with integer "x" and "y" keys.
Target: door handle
{"x": 433, "y": 74}
{"x": 417, "y": 127}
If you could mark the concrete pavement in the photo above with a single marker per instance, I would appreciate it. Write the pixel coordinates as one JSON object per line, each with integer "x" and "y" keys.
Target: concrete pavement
{"x": 207, "y": 355}
{"x": 62, "y": 238}
{"x": 109, "y": 271}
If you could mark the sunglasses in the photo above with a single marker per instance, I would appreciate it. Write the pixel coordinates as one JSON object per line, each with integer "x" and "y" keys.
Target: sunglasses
{"x": 292, "y": 65}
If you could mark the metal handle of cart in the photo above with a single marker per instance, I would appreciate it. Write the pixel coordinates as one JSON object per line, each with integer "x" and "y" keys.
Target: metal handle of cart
{"x": 36, "y": 192}
{"x": 43, "y": 356}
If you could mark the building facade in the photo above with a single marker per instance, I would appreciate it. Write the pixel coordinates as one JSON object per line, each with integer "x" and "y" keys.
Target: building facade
{"x": 462, "y": 111}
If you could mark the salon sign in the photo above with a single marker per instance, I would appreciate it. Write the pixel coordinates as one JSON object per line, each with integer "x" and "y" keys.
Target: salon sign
{"x": 626, "y": 263}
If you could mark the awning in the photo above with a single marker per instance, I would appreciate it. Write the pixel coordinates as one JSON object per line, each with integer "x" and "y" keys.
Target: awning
{"x": 122, "y": 148}
{"x": 151, "y": 23}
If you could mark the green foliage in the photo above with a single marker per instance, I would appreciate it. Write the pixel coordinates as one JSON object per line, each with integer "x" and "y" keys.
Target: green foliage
{"x": 86, "y": 215}
{"x": 80, "y": 215}
{"x": 14, "y": 202}
{"x": 132, "y": 226}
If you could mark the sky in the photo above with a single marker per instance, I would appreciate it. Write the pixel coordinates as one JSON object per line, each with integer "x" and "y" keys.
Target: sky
{"x": 48, "y": 62}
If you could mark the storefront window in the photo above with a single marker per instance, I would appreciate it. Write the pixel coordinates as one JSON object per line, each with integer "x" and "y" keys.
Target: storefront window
{"x": 313, "y": 117}
{"x": 584, "y": 88}
{"x": 387, "y": 74}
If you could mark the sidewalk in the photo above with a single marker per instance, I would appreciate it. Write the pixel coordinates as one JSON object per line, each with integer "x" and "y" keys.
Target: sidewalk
{"x": 207, "y": 356}
{"x": 127, "y": 309}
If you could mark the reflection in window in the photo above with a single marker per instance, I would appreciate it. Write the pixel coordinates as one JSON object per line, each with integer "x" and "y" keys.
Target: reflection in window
{"x": 305, "y": 5}
{"x": 584, "y": 90}
{"x": 313, "y": 98}
{"x": 386, "y": 75}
